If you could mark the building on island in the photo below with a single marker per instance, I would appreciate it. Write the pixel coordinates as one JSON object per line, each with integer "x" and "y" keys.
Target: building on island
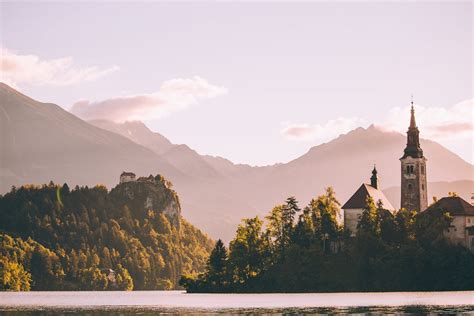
{"x": 414, "y": 195}
{"x": 127, "y": 177}
{"x": 461, "y": 230}
{"x": 413, "y": 171}
{"x": 413, "y": 182}
{"x": 354, "y": 207}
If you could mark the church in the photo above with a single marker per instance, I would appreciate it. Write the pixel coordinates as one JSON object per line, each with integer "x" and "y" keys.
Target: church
{"x": 414, "y": 194}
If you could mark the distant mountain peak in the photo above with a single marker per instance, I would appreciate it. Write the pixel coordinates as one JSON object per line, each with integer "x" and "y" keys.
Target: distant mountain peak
{"x": 372, "y": 127}
{"x": 8, "y": 91}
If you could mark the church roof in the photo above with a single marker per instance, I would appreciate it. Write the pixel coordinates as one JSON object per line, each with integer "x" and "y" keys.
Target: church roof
{"x": 358, "y": 199}
{"x": 454, "y": 205}
{"x": 413, "y": 148}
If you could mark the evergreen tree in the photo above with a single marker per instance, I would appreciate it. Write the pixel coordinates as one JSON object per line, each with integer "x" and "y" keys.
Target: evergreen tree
{"x": 289, "y": 211}
{"x": 217, "y": 266}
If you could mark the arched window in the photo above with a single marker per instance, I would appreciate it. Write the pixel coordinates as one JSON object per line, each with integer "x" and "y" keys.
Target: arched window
{"x": 411, "y": 169}
{"x": 422, "y": 169}
{"x": 409, "y": 186}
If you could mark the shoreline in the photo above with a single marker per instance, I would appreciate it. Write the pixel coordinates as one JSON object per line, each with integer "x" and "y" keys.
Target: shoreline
{"x": 109, "y": 300}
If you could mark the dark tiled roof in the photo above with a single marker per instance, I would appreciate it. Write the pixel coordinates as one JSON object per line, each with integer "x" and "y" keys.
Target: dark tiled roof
{"x": 454, "y": 205}
{"x": 127, "y": 174}
{"x": 357, "y": 200}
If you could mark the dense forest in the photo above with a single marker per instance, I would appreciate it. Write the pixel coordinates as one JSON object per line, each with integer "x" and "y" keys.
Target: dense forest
{"x": 133, "y": 237}
{"x": 306, "y": 250}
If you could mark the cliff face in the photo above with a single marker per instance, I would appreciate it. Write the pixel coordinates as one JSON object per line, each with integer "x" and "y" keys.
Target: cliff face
{"x": 152, "y": 194}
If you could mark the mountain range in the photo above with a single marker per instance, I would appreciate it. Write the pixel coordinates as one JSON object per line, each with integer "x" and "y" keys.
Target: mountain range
{"x": 42, "y": 142}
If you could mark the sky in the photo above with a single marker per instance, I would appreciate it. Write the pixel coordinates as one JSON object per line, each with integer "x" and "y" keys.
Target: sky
{"x": 254, "y": 82}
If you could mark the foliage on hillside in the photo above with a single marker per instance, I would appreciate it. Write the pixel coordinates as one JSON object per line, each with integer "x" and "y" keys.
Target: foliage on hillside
{"x": 54, "y": 238}
{"x": 307, "y": 251}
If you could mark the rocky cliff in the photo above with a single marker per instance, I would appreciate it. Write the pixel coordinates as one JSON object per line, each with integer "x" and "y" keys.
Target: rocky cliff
{"x": 151, "y": 194}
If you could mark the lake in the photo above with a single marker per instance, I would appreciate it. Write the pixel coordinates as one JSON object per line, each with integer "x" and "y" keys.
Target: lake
{"x": 178, "y": 302}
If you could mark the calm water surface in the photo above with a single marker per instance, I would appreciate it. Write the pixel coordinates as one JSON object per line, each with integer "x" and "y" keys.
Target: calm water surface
{"x": 178, "y": 302}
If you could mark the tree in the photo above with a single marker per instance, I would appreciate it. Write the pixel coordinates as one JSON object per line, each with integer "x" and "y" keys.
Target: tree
{"x": 329, "y": 208}
{"x": 123, "y": 279}
{"x": 13, "y": 276}
{"x": 405, "y": 221}
{"x": 430, "y": 226}
{"x": 247, "y": 250}
{"x": 389, "y": 231}
{"x": 303, "y": 234}
{"x": 274, "y": 232}
{"x": 289, "y": 211}
{"x": 93, "y": 279}
{"x": 368, "y": 224}
{"x": 367, "y": 245}
{"x": 217, "y": 266}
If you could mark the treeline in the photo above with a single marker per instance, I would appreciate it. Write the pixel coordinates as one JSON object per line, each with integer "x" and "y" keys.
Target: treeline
{"x": 307, "y": 250}
{"x": 54, "y": 238}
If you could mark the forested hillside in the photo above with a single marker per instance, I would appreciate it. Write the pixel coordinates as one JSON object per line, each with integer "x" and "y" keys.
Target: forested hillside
{"x": 133, "y": 237}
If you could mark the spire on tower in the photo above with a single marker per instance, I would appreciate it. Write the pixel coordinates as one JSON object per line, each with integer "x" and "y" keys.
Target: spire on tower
{"x": 373, "y": 179}
{"x": 412, "y": 119}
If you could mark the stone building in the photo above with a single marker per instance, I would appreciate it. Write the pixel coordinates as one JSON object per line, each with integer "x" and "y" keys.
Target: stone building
{"x": 461, "y": 230}
{"x": 127, "y": 177}
{"x": 354, "y": 207}
{"x": 413, "y": 171}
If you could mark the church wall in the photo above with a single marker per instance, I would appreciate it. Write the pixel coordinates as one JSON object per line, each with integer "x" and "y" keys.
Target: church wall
{"x": 457, "y": 232}
{"x": 351, "y": 219}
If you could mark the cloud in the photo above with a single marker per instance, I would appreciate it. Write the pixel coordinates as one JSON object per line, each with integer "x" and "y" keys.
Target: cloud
{"x": 18, "y": 69}
{"x": 438, "y": 123}
{"x": 173, "y": 95}
{"x": 320, "y": 132}
{"x": 454, "y": 128}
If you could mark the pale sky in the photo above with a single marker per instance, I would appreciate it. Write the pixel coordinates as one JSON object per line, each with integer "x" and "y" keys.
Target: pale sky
{"x": 256, "y": 83}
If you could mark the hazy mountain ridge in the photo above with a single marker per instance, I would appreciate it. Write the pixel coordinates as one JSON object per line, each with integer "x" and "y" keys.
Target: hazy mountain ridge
{"x": 42, "y": 142}
{"x": 137, "y": 132}
{"x": 47, "y": 143}
{"x": 179, "y": 155}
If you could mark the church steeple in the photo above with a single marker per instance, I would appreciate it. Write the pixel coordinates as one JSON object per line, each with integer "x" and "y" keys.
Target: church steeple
{"x": 373, "y": 178}
{"x": 413, "y": 148}
{"x": 413, "y": 170}
{"x": 412, "y": 118}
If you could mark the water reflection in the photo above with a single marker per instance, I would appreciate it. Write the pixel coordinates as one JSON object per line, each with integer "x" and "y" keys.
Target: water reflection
{"x": 114, "y": 311}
